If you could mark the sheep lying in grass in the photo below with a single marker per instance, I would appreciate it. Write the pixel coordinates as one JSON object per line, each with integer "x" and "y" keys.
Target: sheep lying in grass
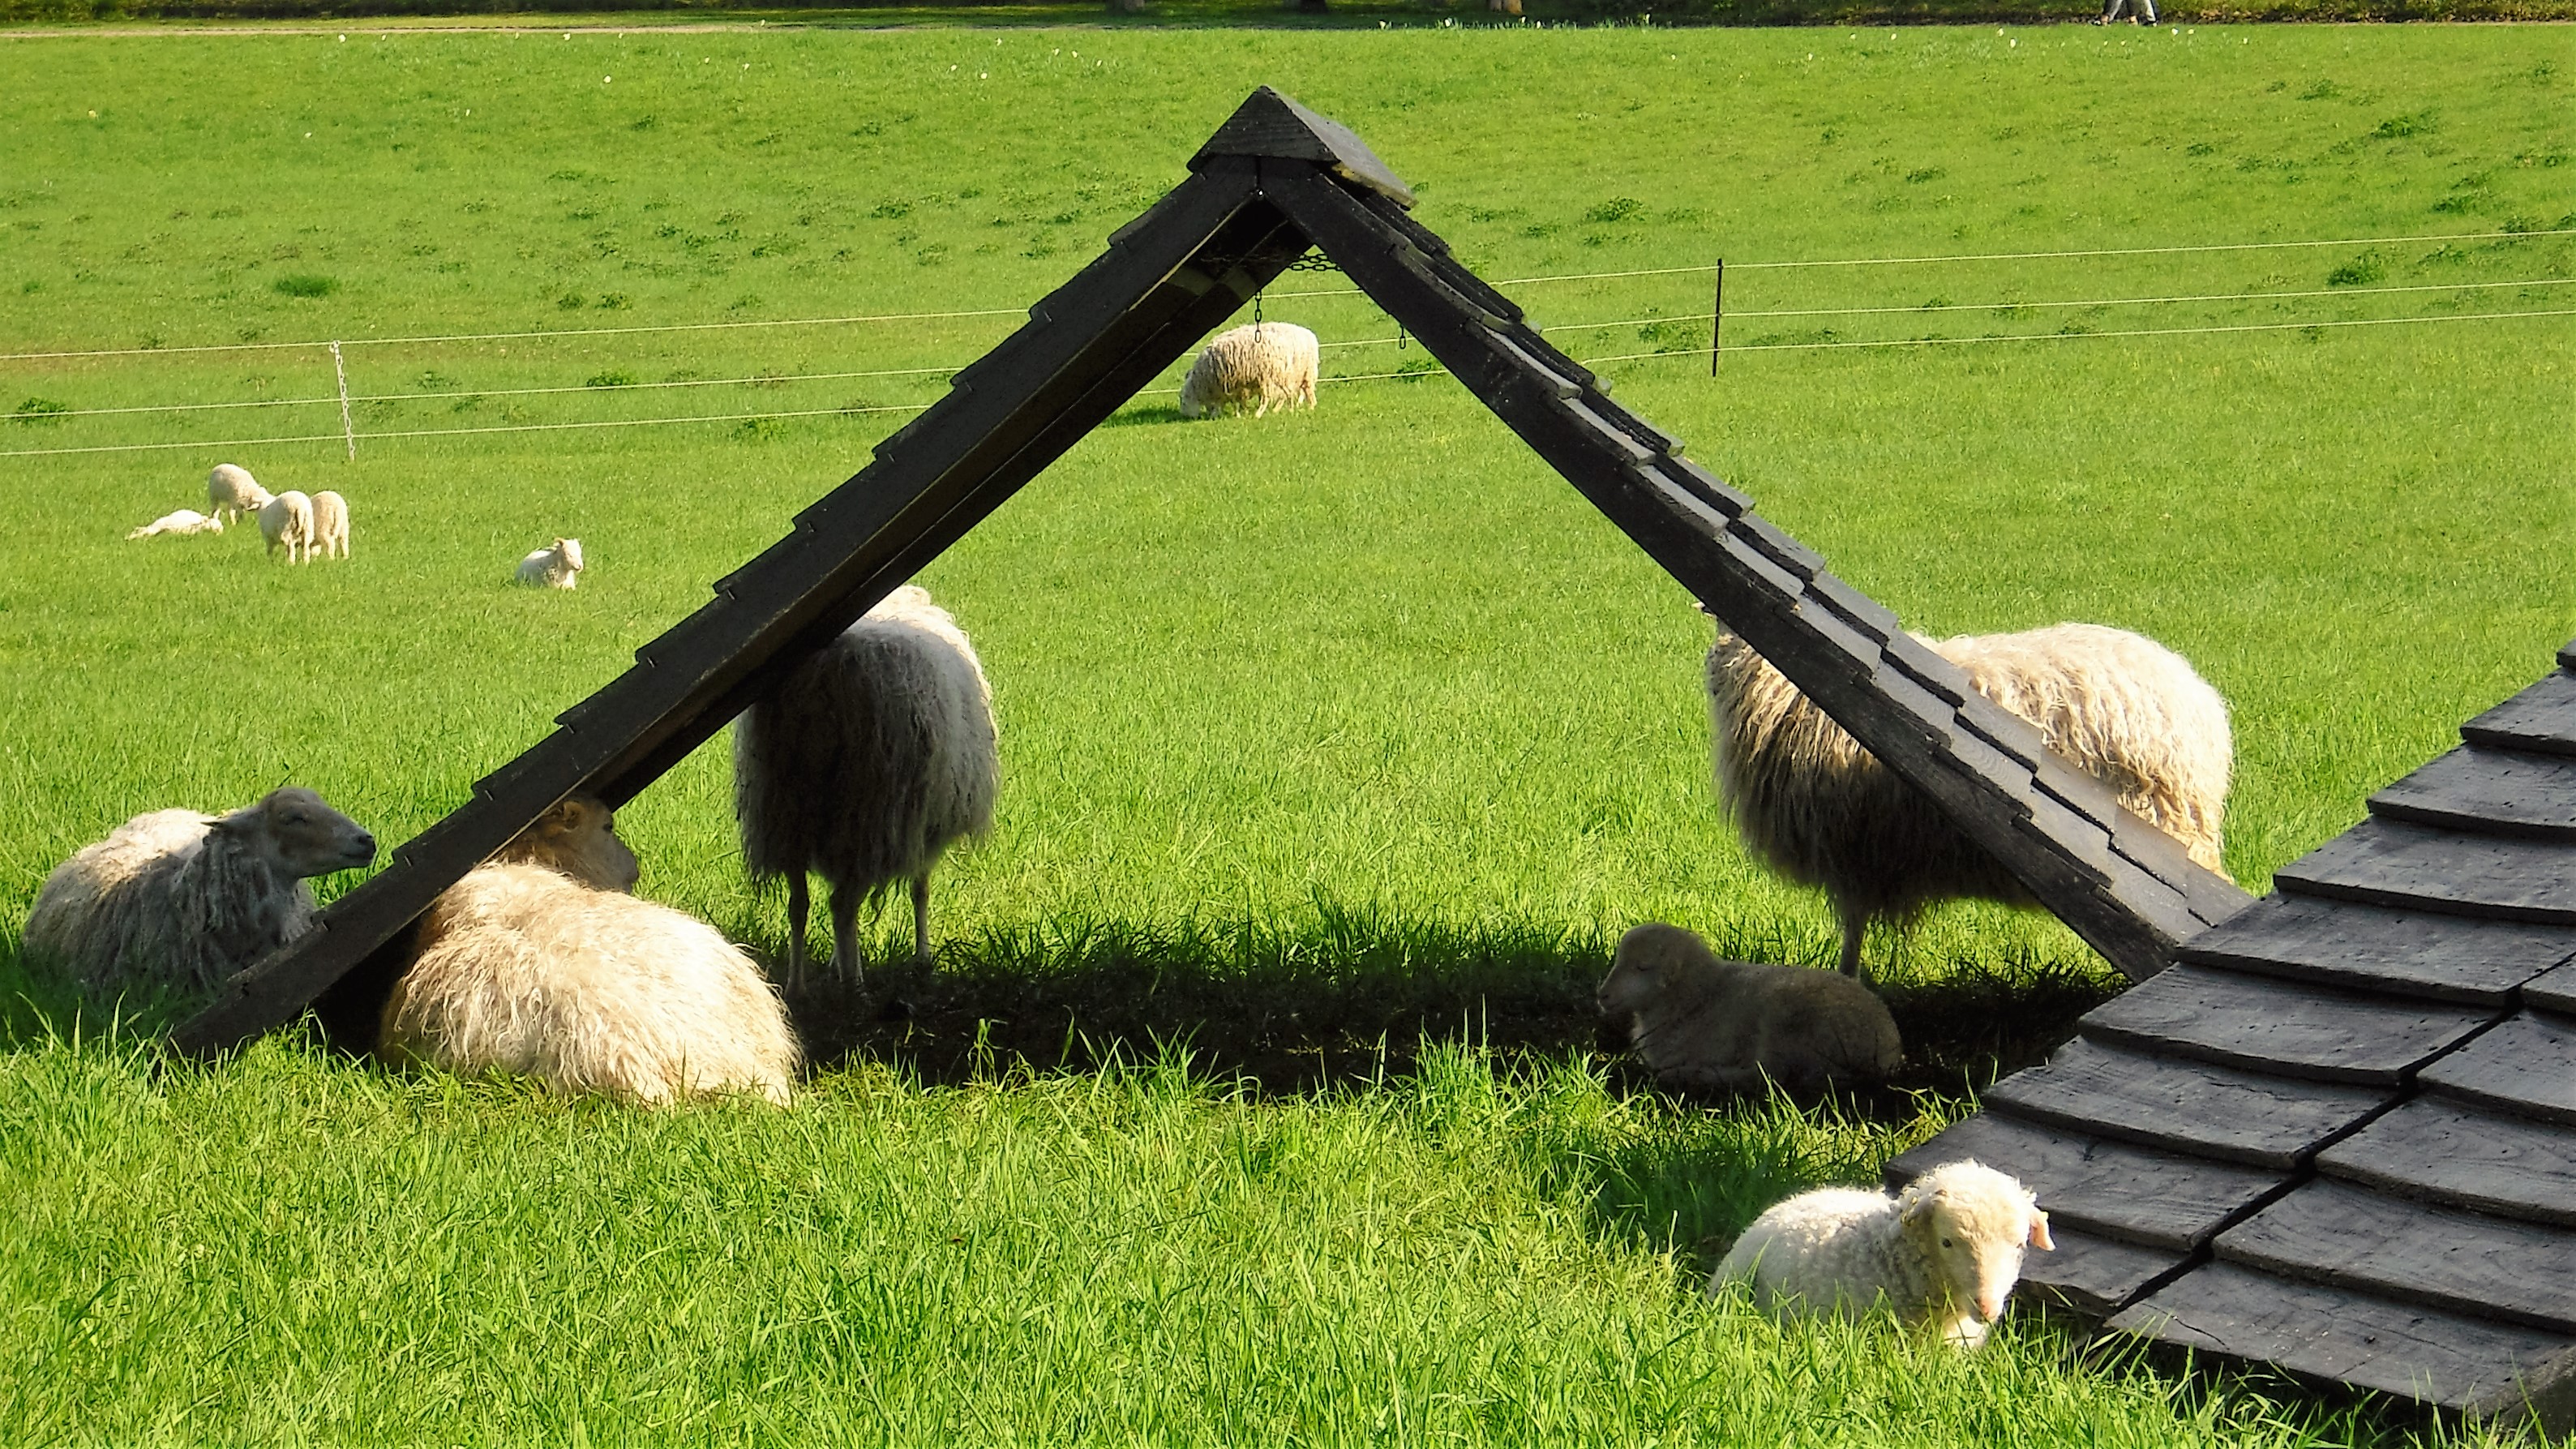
{"x": 1253, "y": 369}
{"x": 331, "y": 524}
{"x": 1706, "y": 1025}
{"x": 555, "y": 567}
{"x": 1814, "y": 806}
{"x": 231, "y": 492}
{"x": 288, "y": 519}
{"x": 537, "y": 964}
{"x": 175, "y": 901}
{"x": 1945, "y": 1252}
{"x": 186, "y": 520}
{"x": 864, "y": 764}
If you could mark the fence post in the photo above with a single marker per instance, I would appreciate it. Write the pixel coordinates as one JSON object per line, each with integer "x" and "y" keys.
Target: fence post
{"x": 348, "y": 432}
{"x": 1716, "y": 316}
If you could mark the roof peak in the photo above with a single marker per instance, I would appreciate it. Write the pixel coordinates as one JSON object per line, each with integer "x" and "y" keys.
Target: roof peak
{"x": 1270, "y": 124}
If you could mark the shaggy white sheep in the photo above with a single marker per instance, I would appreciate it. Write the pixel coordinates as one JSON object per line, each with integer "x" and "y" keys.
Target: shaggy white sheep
{"x": 557, "y": 567}
{"x": 864, "y": 764}
{"x": 288, "y": 519}
{"x": 186, "y": 520}
{"x": 1706, "y": 1025}
{"x": 1945, "y": 1252}
{"x": 232, "y": 492}
{"x": 331, "y": 524}
{"x": 1814, "y": 806}
{"x": 178, "y": 901}
{"x": 1253, "y": 368}
{"x": 521, "y": 969}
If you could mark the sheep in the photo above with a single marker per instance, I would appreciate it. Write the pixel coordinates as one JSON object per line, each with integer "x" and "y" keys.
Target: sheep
{"x": 558, "y": 567}
{"x": 231, "y": 491}
{"x": 185, "y": 520}
{"x": 519, "y": 968}
{"x": 1814, "y": 806}
{"x": 288, "y": 519}
{"x": 578, "y": 837}
{"x": 331, "y": 524}
{"x": 1945, "y": 1252}
{"x": 177, "y": 901}
{"x": 1702, "y": 1024}
{"x": 1257, "y": 367}
{"x": 863, "y": 765}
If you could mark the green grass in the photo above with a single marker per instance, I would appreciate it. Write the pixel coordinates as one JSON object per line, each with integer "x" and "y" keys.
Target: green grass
{"x": 1320, "y": 732}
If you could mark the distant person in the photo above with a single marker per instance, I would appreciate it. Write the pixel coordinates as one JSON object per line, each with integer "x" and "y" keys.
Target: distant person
{"x": 2111, "y": 11}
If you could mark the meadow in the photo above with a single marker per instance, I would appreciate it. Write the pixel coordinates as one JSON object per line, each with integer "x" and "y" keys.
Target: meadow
{"x": 1256, "y": 1098}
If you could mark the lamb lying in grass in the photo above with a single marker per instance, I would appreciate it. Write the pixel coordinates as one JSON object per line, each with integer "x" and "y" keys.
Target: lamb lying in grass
{"x": 555, "y": 567}
{"x": 185, "y": 521}
{"x": 1706, "y": 1025}
{"x": 1945, "y": 1252}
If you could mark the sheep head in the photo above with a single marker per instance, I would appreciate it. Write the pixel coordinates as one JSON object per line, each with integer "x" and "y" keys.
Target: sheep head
{"x": 1650, "y": 957}
{"x": 1972, "y": 1225}
{"x": 569, "y": 550}
{"x": 578, "y": 837}
{"x": 299, "y": 835}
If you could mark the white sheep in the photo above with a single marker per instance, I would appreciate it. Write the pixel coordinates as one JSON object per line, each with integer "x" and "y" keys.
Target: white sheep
{"x": 184, "y": 521}
{"x": 1814, "y": 806}
{"x": 1945, "y": 1252}
{"x": 1253, "y": 368}
{"x": 331, "y": 524}
{"x": 288, "y": 519}
{"x": 863, "y": 765}
{"x": 231, "y": 492}
{"x": 555, "y": 567}
{"x": 176, "y": 901}
{"x": 1706, "y": 1025}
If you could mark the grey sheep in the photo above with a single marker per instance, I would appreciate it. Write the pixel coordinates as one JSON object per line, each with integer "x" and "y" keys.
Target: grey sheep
{"x": 1706, "y": 1025}
{"x": 864, "y": 764}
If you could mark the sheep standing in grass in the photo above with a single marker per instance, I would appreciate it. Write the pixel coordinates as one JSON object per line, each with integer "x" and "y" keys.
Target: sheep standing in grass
{"x": 232, "y": 493}
{"x": 1706, "y": 1025}
{"x": 331, "y": 524}
{"x": 538, "y": 964}
{"x": 864, "y": 764}
{"x": 186, "y": 520}
{"x": 1816, "y": 807}
{"x": 1253, "y": 369}
{"x": 1945, "y": 1252}
{"x": 176, "y": 901}
{"x": 555, "y": 567}
{"x": 288, "y": 519}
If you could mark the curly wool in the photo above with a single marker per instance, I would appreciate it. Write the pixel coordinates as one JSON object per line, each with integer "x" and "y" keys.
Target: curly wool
{"x": 1253, "y": 369}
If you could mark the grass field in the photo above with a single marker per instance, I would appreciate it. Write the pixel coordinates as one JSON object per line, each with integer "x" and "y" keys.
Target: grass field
{"x": 1320, "y": 732}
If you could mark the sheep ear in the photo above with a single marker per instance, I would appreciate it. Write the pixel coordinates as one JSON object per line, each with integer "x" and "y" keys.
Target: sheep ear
{"x": 2039, "y": 1232}
{"x": 1913, "y": 1206}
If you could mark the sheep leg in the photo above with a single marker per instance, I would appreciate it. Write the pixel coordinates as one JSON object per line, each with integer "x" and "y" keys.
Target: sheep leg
{"x": 921, "y": 919}
{"x": 845, "y": 936}
{"x": 799, "y": 906}
{"x": 1855, "y": 927}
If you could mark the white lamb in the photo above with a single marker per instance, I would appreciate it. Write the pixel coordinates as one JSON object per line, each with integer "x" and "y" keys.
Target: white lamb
{"x": 175, "y": 901}
{"x": 1945, "y": 1252}
{"x": 1253, "y": 368}
{"x": 1706, "y": 1025}
{"x": 558, "y": 567}
{"x": 232, "y": 492}
{"x": 1814, "y": 806}
{"x": 185, "y": 521}
{"x": 331, "y": 524}
{"x": 288, "y": 519}
{"x": 537, "y": 964}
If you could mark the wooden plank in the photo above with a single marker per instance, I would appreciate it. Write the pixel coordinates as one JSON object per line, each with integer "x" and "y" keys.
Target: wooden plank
{"x": 2469, "y": 1263}
{"x": 2541, "y": 719}
{"x": 1270, "y": 124}
{"x": 2526, "y": 1065}
{"x": 2445, "y": 1151}
{"x": 2183, "y": 1106}
{"x": 2392, "y": 863}
{"x": 2287, "y": 1028}
{"x": 2093, "y": 1276}
{"x": 2498, "y": 792}
{"x": 2372, "y": 948}
{"x": 2471, "y": 1365}
{"x": 2553, "y": 990}
{"x": 2110, "y": 1189}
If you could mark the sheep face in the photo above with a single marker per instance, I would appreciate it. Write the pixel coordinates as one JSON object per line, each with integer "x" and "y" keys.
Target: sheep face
{"x": 579, "y": 838}
{"x": 1646, "y": 957}
{"x": 569, "y": 549}
{"x": 300, "y": 835}
{"x": 1971, "y": 1224}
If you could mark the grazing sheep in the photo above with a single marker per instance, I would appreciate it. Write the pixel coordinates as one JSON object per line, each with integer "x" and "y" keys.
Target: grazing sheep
{"x": 288, "y": 519}
{"x": 1814, "y": 806}
{"x": 1945, "y": 1252}
{"x": 331, "y": 524}
{"x": 579, "y": 838}
{"x": 521, "y": 969}
{"x": 864, "y": 764}
{"x": 186, "y": 520}
{"x": 231, "y": 491}
{"x": 1702, "y": 1024}
{"x": 179, "y": 901}
{"x": 558, "y": 567}
{"x": 1253, "y": 369}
